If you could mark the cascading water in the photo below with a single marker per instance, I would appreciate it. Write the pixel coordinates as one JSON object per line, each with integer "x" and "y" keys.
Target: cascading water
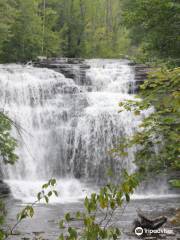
{"x": 100, "y": 126}
{"x": 67, "y": 128}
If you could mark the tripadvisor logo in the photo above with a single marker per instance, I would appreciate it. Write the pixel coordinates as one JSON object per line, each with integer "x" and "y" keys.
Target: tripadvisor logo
{"x": 138, "y": 231}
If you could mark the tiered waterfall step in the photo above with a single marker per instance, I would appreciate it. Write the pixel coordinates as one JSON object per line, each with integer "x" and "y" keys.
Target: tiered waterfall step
{"x": 74, "y": 68}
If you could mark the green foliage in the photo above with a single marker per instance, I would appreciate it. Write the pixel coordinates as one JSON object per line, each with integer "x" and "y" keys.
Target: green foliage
{"x": 99, "y": 209}
{"x": 158, "y": 136}
{"x": 2, "y": 219}
{"x": 7, "y": 155}
{"x": 25, "y": 42}
{"x": 50, "y": 42}
{"x": 7, "y": 142}
{"x": 104, "y": 34}
{"x": 48, "y": 190}
{"x": 32, "y": 32}
{"x": 147, "y": 29}
{"x": 72, "y": 28}
{"x": 175, "y": 183}
{"x": 29, "y": 32}
{"x": 154, "y": 28}
{"x": 7, "y": 14}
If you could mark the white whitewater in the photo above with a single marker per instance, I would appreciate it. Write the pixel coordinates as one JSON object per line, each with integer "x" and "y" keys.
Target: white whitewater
{"x": 67, "y": 128}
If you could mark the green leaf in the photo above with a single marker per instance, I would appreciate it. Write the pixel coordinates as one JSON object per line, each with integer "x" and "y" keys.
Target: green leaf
{"x": 50, "y": 194}
{"x": 46, "y": 199}
{"x": 53, "y": 182}
{"x": 68, "y": 217}
{"x": 127, "y": 197}
{"x": 45, "y": 186}
{"x": 61, "y": 224}
{"x": 55, "y": 192}
{"x": 39, "y": 196}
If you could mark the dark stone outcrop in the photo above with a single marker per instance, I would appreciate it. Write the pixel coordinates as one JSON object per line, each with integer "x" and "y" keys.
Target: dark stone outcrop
{"x": 74, "y": 68}
{"x": 153, "y": 224}
{"x": 141, "y": 72}
{"x": 4, "y": 188}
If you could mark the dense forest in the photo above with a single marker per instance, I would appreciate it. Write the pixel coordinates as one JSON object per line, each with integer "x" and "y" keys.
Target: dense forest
{"x": 78, "y": 28}
{"x": 69, "y": 28}
{"x": 145, "y": 31}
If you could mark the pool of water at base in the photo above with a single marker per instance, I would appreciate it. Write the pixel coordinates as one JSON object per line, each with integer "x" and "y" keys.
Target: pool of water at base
{"x": 45, "y": 223}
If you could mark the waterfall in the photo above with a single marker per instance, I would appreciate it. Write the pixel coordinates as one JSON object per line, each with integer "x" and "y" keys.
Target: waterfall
{"x": 67, "y": 127}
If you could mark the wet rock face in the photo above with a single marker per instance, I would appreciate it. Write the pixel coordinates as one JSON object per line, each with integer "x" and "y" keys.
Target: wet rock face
{"x": 4, "y": 188}
{"x": 74, "y": 68}
{"x": 164, "y": 224}
{"x": 141, "y": 72}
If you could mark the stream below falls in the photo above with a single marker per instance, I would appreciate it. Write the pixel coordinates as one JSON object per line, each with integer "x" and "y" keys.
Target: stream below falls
{"x": 45, "y": 222}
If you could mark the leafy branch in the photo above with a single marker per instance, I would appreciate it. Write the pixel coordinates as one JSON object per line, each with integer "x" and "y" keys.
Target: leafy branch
{"x": 99, "y": 210}
{"x": 48, "y": 190}
{"x": 158, "y": 136}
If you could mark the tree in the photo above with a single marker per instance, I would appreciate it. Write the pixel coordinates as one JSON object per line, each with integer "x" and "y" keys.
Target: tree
{"x": 7, "y": 156}
{"x": 158, "y": 135}
{"x": 25, "y": 43}
{"x": 70, "y": 28}
{"x": 91, "y": 30}
{"x": 154, "y": 27}
{"x": 50, "y": 45}
{"x": 7, "y": 142}
{"x": 7, "y": 15}
{"x": 32, "y": 32}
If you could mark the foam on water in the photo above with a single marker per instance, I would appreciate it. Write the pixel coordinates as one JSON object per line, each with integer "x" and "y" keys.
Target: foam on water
{"x": 69, "y": 190}
{"x": 153, "y": 196}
